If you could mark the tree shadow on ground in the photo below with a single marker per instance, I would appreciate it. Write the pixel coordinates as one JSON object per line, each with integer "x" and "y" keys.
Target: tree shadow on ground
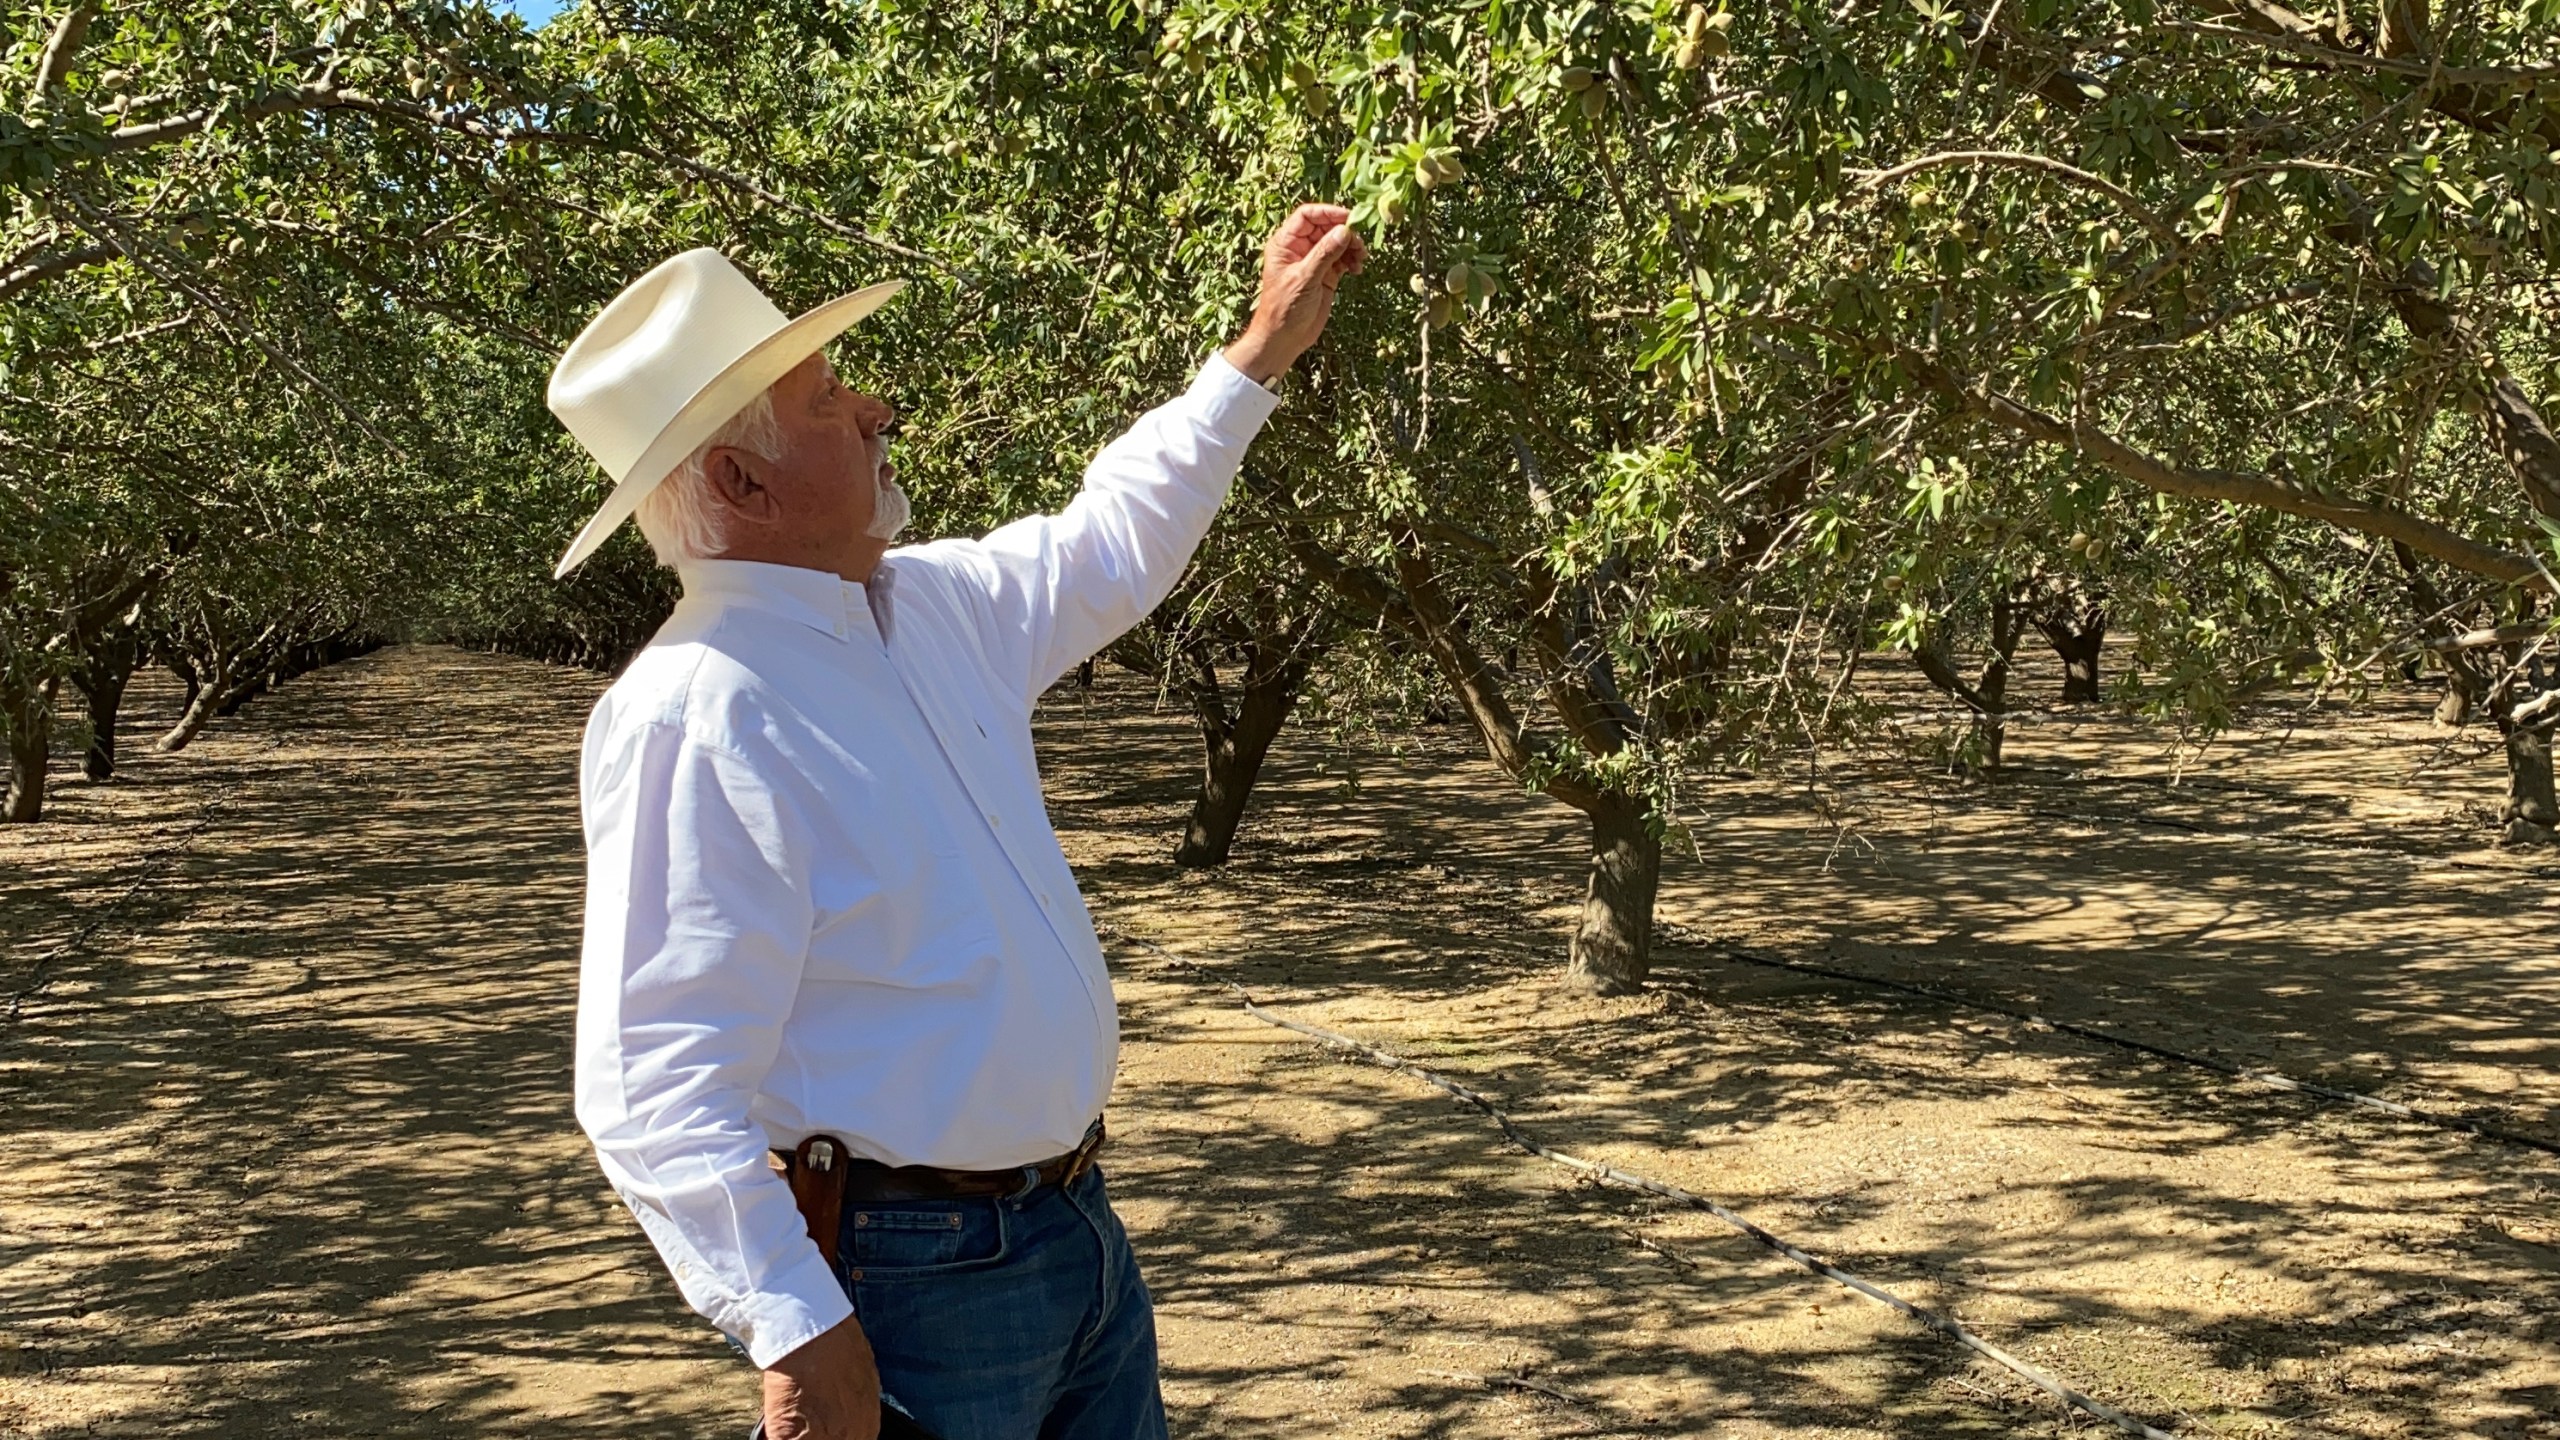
{"x": 289, "y": 1147}
{"x": 2181, "y": 1244}
{"x": 289, "y": 1143}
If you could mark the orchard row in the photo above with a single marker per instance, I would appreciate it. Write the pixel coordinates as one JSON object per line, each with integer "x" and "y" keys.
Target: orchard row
{"x": 1709, "y": 355}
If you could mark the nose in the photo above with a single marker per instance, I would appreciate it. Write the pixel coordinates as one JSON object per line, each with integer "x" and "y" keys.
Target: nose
{"x": 877, "y": 417}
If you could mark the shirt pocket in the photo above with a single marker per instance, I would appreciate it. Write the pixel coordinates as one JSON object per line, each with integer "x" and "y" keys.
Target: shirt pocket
{"x": 916, "y": 1240}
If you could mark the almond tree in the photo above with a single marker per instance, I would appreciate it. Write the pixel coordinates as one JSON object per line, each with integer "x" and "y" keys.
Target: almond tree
{"x": 2234, "y": 257}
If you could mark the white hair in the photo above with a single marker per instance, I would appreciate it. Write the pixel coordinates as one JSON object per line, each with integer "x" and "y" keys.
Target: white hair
{"x": 681, "y": 518}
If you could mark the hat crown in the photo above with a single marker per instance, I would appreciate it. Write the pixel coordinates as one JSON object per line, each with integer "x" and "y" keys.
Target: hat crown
{"x": 668, "y": 334}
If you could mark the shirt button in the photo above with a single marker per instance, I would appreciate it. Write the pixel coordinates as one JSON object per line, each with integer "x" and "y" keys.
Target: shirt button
{"x": 993, "y": 823}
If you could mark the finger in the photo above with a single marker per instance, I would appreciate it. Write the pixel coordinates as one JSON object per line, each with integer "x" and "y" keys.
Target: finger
{"x": 1326, "y": 259}
{"x": 1312, "y": 220}
{"x": 1295, "y": 234}
{"x": 1356, "y": 257}
{"x": 1299, "y": 232}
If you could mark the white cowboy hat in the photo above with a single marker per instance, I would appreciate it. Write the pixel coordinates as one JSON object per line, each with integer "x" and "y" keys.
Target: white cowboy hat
{"x": 679, "y": 352}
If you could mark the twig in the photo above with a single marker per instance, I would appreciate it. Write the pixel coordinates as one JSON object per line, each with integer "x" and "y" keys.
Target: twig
{"x": 1514, "y": 1382}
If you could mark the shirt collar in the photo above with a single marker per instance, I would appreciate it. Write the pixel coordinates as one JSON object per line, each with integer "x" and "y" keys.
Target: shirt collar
{"x": 819, "y": 599}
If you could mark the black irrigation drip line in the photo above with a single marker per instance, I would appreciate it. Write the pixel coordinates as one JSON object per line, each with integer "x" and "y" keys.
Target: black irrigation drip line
{"x": 1989, "y": 805}
{"x": 151, "y": 872}
{"x": 1611, "y": 1174}
{"x": 2244, "y": 835}
{"x": 2273, "y": 1079}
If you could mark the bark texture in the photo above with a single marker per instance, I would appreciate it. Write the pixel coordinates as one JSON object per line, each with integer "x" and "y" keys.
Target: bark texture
{"x": 30, "y": 745}
{"x": 1235, "y": 740}
{"x": 1613, "y": 946}
{"x": 1987, "y": 696}
{"x": 2078, "y": 634}
{"x": 2527, "y": 705}
{"x": 102, "y": 676}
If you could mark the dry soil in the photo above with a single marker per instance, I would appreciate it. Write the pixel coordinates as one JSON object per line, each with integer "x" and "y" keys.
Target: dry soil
{"x": 286, "y": 1150}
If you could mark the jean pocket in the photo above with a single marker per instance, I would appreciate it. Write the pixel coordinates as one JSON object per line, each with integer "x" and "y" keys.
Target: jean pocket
{"x": 885, "y": 1242}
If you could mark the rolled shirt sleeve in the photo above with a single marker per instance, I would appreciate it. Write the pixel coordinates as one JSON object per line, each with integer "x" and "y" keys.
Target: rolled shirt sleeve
{"x": 697, "y": 931}
{"x": 1057, "y": 588}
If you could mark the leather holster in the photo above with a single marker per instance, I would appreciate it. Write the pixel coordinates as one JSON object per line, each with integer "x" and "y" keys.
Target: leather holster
{"x": 816, "y": 1172}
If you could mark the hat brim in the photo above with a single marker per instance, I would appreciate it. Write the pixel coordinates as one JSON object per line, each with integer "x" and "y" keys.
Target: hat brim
{"x": 720, "y": 398}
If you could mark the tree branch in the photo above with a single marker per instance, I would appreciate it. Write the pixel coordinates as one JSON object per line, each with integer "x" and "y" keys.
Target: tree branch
{"x": 1939, "y": 666}
{"x": 134, "y": 250}
{"x": 1571, "y": 679}
{"x": 55, "y": 62}
{"x": 2381, "y": 522}
{"x": 2494, "y": 77}
{"x": 329, "y": 96}
{"x": 2020, "y": 160}
{"x": 1422, "y": 612}
{"x": 2516, "y": 426}
{"x": 61, "y": 262}
{"x": 1511, "y": 743}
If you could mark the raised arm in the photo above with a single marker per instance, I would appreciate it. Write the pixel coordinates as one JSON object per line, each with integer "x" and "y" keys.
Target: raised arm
{"x": 1053, "y": 589}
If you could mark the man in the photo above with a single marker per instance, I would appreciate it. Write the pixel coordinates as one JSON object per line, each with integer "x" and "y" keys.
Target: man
{"x": 823, "y": 897}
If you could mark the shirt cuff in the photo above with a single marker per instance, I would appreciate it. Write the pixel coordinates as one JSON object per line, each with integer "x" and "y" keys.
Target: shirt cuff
{"x": 1230, "y": 400}
{"x": 798, "y": 1308}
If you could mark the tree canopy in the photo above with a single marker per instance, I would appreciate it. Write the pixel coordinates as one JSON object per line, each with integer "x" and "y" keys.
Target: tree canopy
{"x": 1709, "y": 351}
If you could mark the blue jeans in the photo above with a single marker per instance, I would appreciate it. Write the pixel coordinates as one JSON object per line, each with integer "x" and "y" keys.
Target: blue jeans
{"x": 1018, "y": 1318}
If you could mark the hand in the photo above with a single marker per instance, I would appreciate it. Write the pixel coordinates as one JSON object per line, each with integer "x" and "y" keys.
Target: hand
{"x": 1303, "y": 263}
{"x": 828, "y": 1389}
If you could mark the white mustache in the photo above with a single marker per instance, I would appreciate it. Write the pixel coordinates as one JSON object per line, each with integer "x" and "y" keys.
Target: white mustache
{"x": 890, "y": 510}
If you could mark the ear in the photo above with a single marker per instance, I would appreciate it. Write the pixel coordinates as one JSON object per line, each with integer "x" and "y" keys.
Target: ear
{"x": 733, "y": 478}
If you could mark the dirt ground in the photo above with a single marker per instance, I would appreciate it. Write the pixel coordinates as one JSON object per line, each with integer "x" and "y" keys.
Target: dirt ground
{"x": 286, "y": 1149}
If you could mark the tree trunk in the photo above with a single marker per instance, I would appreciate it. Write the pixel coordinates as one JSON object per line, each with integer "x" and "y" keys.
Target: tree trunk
{"x": 102, "y": 677}
{"x": 1235, "y": 748}
{"x": 1613, "y": 947}
{"x": 192, "y": 683}
{"x": 241, "y": 694}
{"x": 106, "y": 700}
{"x": 1988, "y": 696}
{"x": 2532, "y": 812}
{"x": 2526, "y": 707}
{"x": 204, "y": 695}
{"x": 2078, "y": 645}
{"x": 30, "y": 745}
{"x": 2008, "y": 623}
{"x": 252, "y": 673}
{"x": 2455, "y": 706}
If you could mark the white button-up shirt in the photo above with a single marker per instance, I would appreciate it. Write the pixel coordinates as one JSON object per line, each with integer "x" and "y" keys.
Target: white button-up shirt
{"x": 822, "y": 890}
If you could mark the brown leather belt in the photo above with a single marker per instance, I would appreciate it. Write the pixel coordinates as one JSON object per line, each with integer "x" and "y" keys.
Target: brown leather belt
{"x": 823, "y": 1175}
